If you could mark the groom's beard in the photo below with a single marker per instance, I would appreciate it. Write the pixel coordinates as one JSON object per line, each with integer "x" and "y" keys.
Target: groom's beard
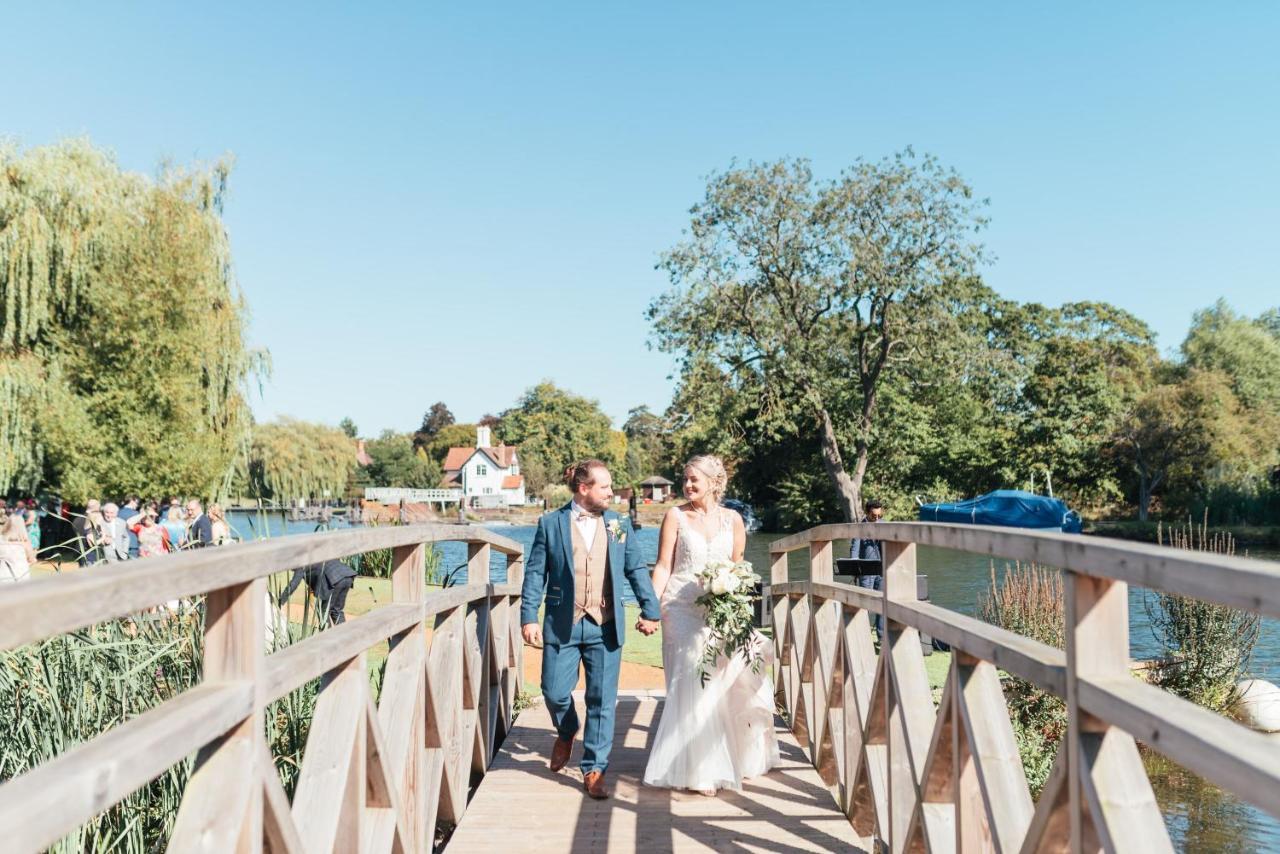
{"x": 592, "y": 506}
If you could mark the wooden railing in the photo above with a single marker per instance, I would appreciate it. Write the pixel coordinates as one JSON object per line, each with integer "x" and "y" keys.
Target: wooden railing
{"x": 374, "y": 777}
{"x": 914, "y": 779}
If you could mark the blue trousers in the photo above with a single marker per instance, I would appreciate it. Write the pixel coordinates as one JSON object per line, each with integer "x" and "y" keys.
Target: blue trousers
{"x": 601, "y": 658}
{"x": 874, "y": 582}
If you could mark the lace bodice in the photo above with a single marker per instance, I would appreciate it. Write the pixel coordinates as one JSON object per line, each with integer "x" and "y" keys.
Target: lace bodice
{"x": 693, "y": 550}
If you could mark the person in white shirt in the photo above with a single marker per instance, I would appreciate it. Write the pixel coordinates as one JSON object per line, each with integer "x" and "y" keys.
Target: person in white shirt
{"x": 115, "y": 534}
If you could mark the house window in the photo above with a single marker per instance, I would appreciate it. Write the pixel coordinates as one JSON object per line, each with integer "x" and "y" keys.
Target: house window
{"x": 481, "y": 469}
{"x": 488, "y": 490}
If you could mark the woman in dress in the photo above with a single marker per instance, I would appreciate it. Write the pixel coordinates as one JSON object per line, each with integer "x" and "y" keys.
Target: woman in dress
{"x": 16, "y": 554}
{"x": 32, "y": 518}
{"x": 153, "y": 539}
{"x": 177, "y": 528}
{"x": 715, "y": 735}
{"x": 218, "y": 521}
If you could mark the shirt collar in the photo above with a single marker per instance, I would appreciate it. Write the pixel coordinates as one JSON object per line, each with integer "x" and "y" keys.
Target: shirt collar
{"x": 576, "y": 509}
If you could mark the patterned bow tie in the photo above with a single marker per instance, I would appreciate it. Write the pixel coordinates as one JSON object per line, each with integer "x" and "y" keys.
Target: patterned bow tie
{"x": 580, "y": 516}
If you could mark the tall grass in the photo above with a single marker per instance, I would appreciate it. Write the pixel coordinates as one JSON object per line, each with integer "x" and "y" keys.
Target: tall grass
{"x": 66, "y": 690}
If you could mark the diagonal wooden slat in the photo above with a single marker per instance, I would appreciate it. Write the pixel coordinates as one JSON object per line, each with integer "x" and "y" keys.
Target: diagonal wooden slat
{"x": 1003, "y": 784}
{"x": 826, "y": 689}
{"x": 280, "y": 833}
{"x": 385, "y": 829}
{"x": 1125, "y": 814}
{"x": 329, "y": 799}
{"x": 1050, "y": 828}
{"x": 445, "y": 711}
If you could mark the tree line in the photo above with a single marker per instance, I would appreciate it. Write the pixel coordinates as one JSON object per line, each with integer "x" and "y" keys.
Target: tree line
{"x": 835, "y": 341}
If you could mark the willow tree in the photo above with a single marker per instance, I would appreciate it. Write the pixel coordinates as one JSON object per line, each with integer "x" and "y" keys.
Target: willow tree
{"x": 823, "y": 288}
{"x": 123, "y": 363}
{"x": 291, "y": 459}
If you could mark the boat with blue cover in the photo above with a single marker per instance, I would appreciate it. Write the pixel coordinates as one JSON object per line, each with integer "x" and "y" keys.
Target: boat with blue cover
{"x": 1012, "y": 508}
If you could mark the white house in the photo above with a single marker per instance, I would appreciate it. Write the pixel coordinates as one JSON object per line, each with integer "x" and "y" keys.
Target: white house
{"x": 488, "y": 476}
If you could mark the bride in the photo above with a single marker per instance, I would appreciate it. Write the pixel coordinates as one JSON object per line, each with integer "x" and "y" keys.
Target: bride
{"x": 711, "y": 736}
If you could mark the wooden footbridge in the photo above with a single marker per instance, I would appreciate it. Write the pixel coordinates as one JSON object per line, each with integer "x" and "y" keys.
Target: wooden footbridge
{"x": 870, "y": 762}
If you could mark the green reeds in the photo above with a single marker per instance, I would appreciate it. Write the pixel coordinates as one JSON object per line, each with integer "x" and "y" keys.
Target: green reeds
{"x": 66, "y": 690}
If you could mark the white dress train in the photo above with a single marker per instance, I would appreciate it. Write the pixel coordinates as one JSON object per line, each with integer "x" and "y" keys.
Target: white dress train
{"x": 716, "y": 736}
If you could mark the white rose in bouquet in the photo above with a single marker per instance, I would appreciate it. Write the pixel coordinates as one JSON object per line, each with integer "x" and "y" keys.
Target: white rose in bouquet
{"x": 729, "y": 604}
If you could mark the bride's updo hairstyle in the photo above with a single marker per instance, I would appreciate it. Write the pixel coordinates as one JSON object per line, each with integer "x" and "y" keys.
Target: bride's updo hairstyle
{"x": 713, "y": 468}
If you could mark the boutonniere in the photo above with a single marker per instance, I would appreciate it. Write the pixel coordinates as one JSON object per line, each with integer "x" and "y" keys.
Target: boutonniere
{"x": 615, "y": 531}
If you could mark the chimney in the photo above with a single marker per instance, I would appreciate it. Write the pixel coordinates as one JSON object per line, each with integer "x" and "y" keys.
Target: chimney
{"x": 482, "y": 437}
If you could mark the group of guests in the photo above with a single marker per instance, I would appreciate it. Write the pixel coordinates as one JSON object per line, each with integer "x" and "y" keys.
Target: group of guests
{"x": 109, "y": 532}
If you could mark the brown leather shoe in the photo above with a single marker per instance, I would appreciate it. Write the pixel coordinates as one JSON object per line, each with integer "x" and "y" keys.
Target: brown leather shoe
{"x": 593, "y": 782}
{"x": 560, "y": 754}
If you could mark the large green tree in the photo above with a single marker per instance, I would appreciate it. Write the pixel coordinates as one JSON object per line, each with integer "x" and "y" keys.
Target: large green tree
{"x": 451, "y": 436}
{"x": 1089, "y": 363}
{"x": 1247, "y": 351}
{"x": 1182, "y": 430}
{"x": 824, "y": 287}
{"x": 291, "y": 459}
{"x": 434, "y": 420}
{"x": 396, "y": 462}
{"x": 553, "y": 428}
{"x": 123, "y": 364}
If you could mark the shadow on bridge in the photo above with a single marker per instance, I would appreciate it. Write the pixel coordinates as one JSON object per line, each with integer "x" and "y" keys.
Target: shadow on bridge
{"x": 522, "y": 805}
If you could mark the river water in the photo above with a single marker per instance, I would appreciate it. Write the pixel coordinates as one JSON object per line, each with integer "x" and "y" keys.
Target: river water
{"x": 1200, "y": 816}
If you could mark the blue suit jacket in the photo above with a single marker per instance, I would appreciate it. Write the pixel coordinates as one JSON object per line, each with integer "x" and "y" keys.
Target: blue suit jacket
{"x": 549, "y": 570}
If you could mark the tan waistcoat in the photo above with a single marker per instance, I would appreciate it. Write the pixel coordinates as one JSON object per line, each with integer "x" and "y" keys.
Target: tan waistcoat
{"x": 592, "y": 589}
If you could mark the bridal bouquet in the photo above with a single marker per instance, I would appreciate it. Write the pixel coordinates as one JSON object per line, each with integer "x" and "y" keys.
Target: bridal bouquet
{"x": 728, "y": 598}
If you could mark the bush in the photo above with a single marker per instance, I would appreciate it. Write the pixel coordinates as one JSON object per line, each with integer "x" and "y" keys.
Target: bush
{"x": 1208, "y": 647}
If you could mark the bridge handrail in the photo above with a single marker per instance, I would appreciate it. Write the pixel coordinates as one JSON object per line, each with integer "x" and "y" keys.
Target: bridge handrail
{"x": 953, "y": 778}
{"x": 373, "y": 775}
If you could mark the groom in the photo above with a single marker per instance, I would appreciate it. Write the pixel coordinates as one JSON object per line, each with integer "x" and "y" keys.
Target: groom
{"x": 578, "y": 558}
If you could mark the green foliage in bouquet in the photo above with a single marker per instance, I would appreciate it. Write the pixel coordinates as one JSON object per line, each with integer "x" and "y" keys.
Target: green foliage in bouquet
{"x": 728, "y": 599}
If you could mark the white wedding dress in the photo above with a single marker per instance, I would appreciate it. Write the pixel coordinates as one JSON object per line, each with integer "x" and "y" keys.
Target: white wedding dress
{"x": 717, "y": 735}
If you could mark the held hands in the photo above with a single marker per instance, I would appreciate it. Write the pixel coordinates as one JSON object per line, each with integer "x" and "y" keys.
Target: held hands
{"x": 647, "y": 627}
{"x": 532, "y": 634}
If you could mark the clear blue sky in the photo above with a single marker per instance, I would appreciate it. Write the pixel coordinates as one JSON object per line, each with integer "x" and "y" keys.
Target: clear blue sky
{"x": 454, "y": 203}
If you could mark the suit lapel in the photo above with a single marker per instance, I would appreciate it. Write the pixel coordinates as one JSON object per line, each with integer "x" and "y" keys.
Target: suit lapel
{"x": 615, "y": 554}
{"x": 566, "y": 537}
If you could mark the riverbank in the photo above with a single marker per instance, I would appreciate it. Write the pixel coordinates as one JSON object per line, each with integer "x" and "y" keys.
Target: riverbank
{"x": 1246, "y": 536}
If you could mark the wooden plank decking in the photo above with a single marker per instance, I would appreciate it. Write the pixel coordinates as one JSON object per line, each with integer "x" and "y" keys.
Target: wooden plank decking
{"x": 522, "y": 806}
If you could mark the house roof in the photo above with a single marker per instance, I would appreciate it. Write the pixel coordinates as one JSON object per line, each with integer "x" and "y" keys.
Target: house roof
{"x": 457, "y": 458}
{"x": 513, "y": 481}
{"x": 502, "y": 456}
{"x": 656, "y": 480}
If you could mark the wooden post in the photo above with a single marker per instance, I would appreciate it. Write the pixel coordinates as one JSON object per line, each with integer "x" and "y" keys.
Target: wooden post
{"x": 477, "y": 563}
{"x": 222, "y": 805}
{"x": 901, "y": 699}
{"x": 402, "y": 711}
{"x": 1097, "y": 638}
{"x": 513, "y": 675}
{"x": 821, "y": 567}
